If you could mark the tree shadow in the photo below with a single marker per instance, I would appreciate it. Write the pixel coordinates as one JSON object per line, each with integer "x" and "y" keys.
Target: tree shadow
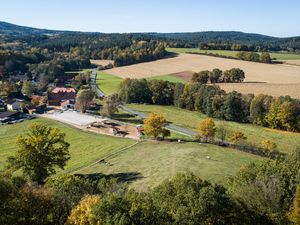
{"x": 128, "y": 118}
{"x": 127, "y": 177}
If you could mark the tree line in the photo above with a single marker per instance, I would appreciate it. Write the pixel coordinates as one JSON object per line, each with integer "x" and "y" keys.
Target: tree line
{"x": 234, "y": 75}
{"x": 274, "y": 112}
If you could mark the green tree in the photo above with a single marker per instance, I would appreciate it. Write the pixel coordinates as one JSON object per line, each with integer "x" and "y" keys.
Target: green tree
{"x": 186, "y": 199}
{"x": 83, "y": 99}
{"x": 110, "y": 106}
{"x": 215, "y": 76}
{"x": 265, "y": 57}
{"x": 234, "y": 75}
{"x": 201, "y": 77}
{"x": 259, "y": 107}
{"x": 272, "y": 118}
{"x": 28, "y": 88}
{"x": 41, "y": 151}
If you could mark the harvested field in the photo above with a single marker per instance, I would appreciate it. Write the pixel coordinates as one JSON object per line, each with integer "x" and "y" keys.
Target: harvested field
{"x": 101, "y": 62}
{"x": 292, "y": 90}
{"x": 295, "y": 62}
{"x": 255, "y": 72}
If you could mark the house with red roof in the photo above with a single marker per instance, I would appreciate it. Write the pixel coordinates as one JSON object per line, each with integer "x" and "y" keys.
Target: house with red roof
{"x": 60, "y": 95}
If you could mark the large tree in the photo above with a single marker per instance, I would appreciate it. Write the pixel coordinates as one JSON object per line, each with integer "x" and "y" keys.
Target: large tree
{"x": 154, "y": 126}
{"x": 40, "y": 152}
{"x": 207, "y": 129}
{"x": 84, "y": 98}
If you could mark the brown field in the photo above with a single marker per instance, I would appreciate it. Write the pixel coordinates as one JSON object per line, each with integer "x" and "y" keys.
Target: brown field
{"x": 295, "y": 62}
{"x": 101, "y": 62}
{"x": 275, "y": 79}
{"x": 292, "y": 90}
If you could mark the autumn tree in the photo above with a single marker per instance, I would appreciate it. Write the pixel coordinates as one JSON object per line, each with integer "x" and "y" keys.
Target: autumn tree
{"x": 82, "y": 213}
{"x": 154, "y": 126}
{"x": 83, "y": 99}
{"x": 294, "y": 214}
{"x": 40, "y": 152}
{"x": 207, "y": 129}
{"x": 236, "y": 136}
{"x": 268, "y": 145}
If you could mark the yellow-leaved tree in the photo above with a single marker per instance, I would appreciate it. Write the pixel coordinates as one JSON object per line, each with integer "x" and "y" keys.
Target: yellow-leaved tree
{"x": 82, "y": 213}
{"x": 236, "y": 136}
{"x": 294, "y": 214}
{"x": 154, "y": 126}
{"x": 207, "y": 129}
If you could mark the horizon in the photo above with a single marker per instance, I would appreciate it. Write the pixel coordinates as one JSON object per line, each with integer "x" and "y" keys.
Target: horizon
{"x": 253, "y": 17}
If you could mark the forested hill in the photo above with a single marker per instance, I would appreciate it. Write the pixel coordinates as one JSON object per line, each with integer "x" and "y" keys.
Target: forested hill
{"x": 217, "y": 36}
{"x": 208, "y": 39}
{"x": 13, "y": 29}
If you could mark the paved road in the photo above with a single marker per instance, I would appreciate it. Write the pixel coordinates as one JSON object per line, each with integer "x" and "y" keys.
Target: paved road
{"x": 94, "y": 85}
{"x": 173, "y": 127}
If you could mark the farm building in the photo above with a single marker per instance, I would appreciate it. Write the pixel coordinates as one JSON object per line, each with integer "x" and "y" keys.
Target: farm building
{"x": 60, "y": 95}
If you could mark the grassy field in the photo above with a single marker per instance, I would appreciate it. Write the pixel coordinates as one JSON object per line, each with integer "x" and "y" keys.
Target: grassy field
{"x": 145, "y": 164}
{"x": 85, "y": 147}
{"x": 108, "y": 83}
{"x": 278, "y": 56}
{"x": 149, "y": 163}
{"x": 169, "y": 78}
{"x": 286, "y": 141}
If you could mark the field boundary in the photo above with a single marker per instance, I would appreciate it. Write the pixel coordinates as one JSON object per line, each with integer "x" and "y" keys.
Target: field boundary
{"x": 103, "y": 158}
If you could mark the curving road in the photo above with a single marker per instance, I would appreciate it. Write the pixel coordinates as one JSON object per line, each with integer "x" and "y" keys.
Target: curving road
{"x": 94, "y": 85}
{"x": 172, "y": 127}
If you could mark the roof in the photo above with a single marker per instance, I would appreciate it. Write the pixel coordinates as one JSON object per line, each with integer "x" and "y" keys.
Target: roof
{"x": 63, "y": 89}
{"x": 18, "y": 95}
{"x": 30, "y": 107}
{"x": 11, "y": 101}
{"x": 7, "y": 114}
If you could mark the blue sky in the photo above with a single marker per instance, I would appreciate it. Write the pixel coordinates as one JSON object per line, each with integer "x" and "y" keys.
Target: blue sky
{"x": 271, "y": 17}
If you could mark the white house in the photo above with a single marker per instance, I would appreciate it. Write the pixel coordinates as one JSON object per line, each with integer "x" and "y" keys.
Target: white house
{"x": 14, "y": 105}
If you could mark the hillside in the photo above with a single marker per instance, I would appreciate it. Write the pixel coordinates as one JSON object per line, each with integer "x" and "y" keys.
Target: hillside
{"x": 13, "y": 29}
{"x": 190, "y": 39}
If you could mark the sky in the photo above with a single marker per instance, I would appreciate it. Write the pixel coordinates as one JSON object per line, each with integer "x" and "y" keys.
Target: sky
{"x": 270, "y": 17}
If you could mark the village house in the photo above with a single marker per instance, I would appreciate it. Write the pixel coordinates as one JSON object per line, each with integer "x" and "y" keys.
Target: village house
{"x": 61, "y": 96}
{"x": 14, "y": 104}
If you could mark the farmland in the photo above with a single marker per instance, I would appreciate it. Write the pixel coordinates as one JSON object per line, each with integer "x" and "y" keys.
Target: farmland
{"x": 143, "y": 160}
{"x": 286, "y": 141}
{"x": 85, "y": 147}
{"x": 280, "y": 74}
{"x": 277, "y": 56}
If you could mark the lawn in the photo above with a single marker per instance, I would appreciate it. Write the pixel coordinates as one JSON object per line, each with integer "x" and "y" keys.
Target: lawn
{"x": 85, "y": 147}
{"x": 278, "y": 56}
{"x": 108, "y": 83}
{"x": 149, "y": 163}
{"x": 146, "y": 164}
{"x": 286, "y": 141}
